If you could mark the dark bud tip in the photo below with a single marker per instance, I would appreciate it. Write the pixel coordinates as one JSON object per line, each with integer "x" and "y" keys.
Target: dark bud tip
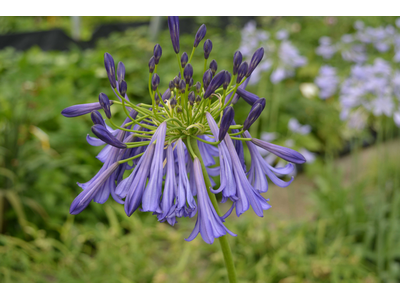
{"x": 237, "y": 60}
{"x": 123, "y": 87}
{"x": 184, "y": 59}
{"x": 191, "y": 98}
{"x": 201, "y": 33}
{"x": 188, "y": 73}
{"x": 97, "y": 118}
{"x": 182, "y": 86}
{"x": 215, "y": 83}
{"x": 226, "y": 121}
{"x": 198, "y": 87}
{"x": 227, "y": 80}
{"x": 105, "y": 104}
{"x": 173, "y": 25}
{"x": 190, "y": 83}
{"x": 157, "y": 98}
{"x": 207, "y": 78}
{"x": 255, "y": 60}
{"x": 120, "y": 72}
{"x": 167, "y": 94}
{"x": 207, "y": 48}
{"x": 178, "y": 109}
{"x": 110, "y": 68}
{"x": 255, "y": 112}
{"x": 152, "y": 64}
{"x": 171, "y": 85}
{"x": 157, "y": 52}
{"x": 197, "y": 99}
{"x": 173, "y": 102}
{"x": 155, "y": 81}
{"x": 102, "y": 133}
{"x": 177, "y": 80}
{"x": 242, "y": 72}
{"x": 213, "y": 66}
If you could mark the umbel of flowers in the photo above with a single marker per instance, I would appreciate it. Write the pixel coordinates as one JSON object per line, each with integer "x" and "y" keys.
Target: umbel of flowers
{"x": 166, "y": 148}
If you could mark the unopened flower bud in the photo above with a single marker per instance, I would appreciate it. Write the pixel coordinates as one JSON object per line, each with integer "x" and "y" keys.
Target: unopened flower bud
{"x": 190, "y": 83}
{"x": 173, "y": 102}
{"x": 177, "y": 80}
{"x": 157, "y": 52}
{"x": 123, "y": 87}
{"x": 226, "y": 121}
{"x": 182, "y": 86}
{"x": 255, "y": 60}
{"x": 237, "y": 60}
{"x": 242, "y": 72}
{"x": 201, "y": 33}
{"x": 207, "y": 78}
{"x": 110, "y": 68}
{"x": 97, "y": 118}
{"x": 255, "y": 112}
{"x": 197, "y": 99}
{"x": 120, "y": 72}
{"x": 215, "y": 83}
{"x": 178, "y": 109}
{"x": 166, "y": 95}
{"x": 227, "y": 80}
{"x": 155, "y": 81}
{"x": 171, "y": 85}
{"x": 105, "y": 104}
{"x": 188, "y": 73}
{"x": 173, "y": 25}
{"x": 102, "y": 133}
{"x": 184, "y": 59}
{"x": 198, "y": 87}
{"x": 213, "y": 66}
{"x": 152, "y": 64}
{"x": 207, "y": 48}
{"x": 157, "y": 98}
{"x": 191, "y": 98}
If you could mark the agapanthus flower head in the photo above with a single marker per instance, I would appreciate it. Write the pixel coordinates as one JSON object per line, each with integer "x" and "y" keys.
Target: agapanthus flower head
{"x": 162, "y": 156}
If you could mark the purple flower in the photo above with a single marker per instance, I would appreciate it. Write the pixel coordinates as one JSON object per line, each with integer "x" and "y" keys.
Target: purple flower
{"x": 201, "y": 33}
{"x": 327, "y": 81}
{"x": 226, "y": 121}
{"x": 173, "y": 25}
{"x": 208, "y": 223}
{"x": 81, "y": 109}
{"x": 284, "y": 153}
{"x": 215, "y": 83}
{"x": 295, "y": 127}
{"x": 102, "y": 133}
{"x": 110, "y": 68}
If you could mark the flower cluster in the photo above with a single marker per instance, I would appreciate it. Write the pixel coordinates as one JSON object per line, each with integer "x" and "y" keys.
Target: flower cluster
{"x": 162, "y": 156}
{"x": 282, "y": 58}
{"x": 327, "y": 81}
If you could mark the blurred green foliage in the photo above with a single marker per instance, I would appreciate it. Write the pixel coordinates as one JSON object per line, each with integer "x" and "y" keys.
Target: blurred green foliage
{"x": 352, "y": 235}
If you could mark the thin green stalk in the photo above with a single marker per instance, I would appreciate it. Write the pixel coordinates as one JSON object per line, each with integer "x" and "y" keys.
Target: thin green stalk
{"x": 226, "y": 250}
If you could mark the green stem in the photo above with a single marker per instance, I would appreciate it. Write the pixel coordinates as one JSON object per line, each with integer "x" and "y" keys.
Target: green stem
{"x": 223, "y": 240}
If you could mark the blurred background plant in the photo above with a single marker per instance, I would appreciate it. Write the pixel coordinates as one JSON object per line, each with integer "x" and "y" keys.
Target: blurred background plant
{"x": 332, "y": 88}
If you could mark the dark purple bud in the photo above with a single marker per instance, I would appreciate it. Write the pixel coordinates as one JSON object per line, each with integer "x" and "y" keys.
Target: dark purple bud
{"x": 198, "y": 87}
{"x": 207, "y": 78}
{"x": 197, "y": 99}
{"x": 250, "y": 98}
{"x": 191, "y": 98}
{"x": 157, "y": 98}
{"x": 215, "y": 83}
{"x": 173, "y": 25}
{"x": 255, "y": 60}
{"x": 102, "y": 133}
{"x": 182, "y": 86}
{"x": 255, "y": 112}
{"x": 178, "y": 109}
{"x": 177, "y": 80}
{"x": 201, "y": 33}
{"x": 283, "y": 152}
{"x": 123, "y": 87}
{"x": 152, "y": 64}
{"x": 173, "y": 102}
{"x": 155, "y": 81}
{"x": 120, "y": 72}
{"x": 190, "y": 83}
{"x": 184, "y": 59}
{"x": 97, "y": 118}
{"x": 157, "y": 52}
{"x": 227, "y": 80}
{"x": 226, "y": 121}
{"x": 171, "y": 85}
{"x": 237, "y": 60}
{"x": 242, "y": 72}
{"x": 105, "y": 104}
{"x": 166, "y": 95}
{"x": 213, "y": 66}
{"x": 207, "y": 48}
{"x": 188, "y": 73}
{"x": 80, "y": 109}
{"x": 110, "y": 68}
